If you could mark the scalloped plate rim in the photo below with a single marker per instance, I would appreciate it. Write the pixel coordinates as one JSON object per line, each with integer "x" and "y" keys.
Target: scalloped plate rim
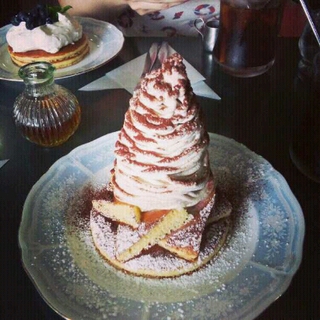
{"x": 285, "y": 189}
{"x": 77, "y": 69}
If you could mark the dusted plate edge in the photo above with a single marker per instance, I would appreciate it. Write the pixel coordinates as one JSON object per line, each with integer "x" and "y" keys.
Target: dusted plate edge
{"x": 246, "y": 295}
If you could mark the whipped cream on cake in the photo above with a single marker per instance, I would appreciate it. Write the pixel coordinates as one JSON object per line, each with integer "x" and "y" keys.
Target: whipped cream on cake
{"x": 49, "y": 37}
{"x": 162, "y": 160}
{"x": 158, "y": 217}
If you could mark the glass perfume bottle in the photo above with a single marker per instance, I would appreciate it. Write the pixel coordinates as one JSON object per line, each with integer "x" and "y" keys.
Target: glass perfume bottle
{"x": 46, "y": 113}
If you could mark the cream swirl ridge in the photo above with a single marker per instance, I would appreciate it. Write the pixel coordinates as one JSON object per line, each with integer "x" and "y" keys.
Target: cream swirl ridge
{"x": 161, "y": 154}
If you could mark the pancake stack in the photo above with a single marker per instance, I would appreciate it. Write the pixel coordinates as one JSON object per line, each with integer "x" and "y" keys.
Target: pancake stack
{"x": 65, "y": 57}
{"x": 46, "y": 34}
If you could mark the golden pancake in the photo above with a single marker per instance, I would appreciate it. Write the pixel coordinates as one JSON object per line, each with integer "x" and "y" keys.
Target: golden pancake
{"x": 184, "y": 251}
{"x": 65, "y": 57}
{"x": 157, "y": 262}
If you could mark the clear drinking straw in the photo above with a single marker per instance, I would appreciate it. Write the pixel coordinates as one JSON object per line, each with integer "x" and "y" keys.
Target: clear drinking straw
{"x": 311, "y": 20}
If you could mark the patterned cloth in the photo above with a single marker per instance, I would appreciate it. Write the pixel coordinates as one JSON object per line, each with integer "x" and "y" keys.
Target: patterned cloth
{"x": 172, "y": 22}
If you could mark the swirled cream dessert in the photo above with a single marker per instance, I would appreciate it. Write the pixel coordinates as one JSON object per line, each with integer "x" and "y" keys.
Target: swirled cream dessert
{"x": 161, "y": 154}
{"x": 45, "y": 35}
{"x": 155, "y": 222}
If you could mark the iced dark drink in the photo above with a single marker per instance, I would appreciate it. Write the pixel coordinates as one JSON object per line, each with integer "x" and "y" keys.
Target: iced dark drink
{"x": 247, "y": 36}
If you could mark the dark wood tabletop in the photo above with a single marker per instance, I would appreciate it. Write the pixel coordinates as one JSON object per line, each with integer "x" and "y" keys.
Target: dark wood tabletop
{"x": 261, "y": 112}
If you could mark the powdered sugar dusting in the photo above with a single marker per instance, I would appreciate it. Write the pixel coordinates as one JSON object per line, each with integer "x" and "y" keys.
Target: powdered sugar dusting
{"x": 126, "y": 236}
{"x": 232, "y": 257}
{"x": 157, "y": 263}
{"x": 191, "y": 237}
{"x": 59, "y": 253}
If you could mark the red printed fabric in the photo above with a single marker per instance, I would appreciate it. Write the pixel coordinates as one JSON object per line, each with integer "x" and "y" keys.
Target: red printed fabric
{"x": 176, "y": 21}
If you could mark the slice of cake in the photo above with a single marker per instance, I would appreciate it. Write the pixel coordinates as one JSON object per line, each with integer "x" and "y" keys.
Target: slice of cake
{"x": 148, "y": 235}
{"x": 162, "y": 168}
{"x": 119, "y": 212}
{"x": 185, "y": 241}
{"x": 156, "y": 262}
{"x": 222, "y": 208}
{"x": 46, "y": 34}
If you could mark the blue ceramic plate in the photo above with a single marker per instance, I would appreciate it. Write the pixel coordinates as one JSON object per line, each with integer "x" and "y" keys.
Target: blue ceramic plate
{"x": 253, "y": 268}
{"x": 105, "y": 42}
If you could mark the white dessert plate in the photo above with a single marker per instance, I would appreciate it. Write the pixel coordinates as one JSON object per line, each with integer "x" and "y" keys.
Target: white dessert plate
{"x": 253, "y": 268}
{"x": 105, "y": 42}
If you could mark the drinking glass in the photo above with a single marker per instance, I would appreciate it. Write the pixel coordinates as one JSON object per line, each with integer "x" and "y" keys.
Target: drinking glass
{"x": 305, "y": 145}
{"x": 248, "y": 31}
{"x": 308, "y": 47}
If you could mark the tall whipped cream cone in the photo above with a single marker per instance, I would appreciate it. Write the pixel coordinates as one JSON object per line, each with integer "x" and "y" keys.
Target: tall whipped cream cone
{"x": 162, "y": 159}
{"x": 163, "y": 192}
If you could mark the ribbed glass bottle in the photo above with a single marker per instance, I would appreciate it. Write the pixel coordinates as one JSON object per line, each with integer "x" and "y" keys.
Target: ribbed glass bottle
{"x": 46, "y": 113}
